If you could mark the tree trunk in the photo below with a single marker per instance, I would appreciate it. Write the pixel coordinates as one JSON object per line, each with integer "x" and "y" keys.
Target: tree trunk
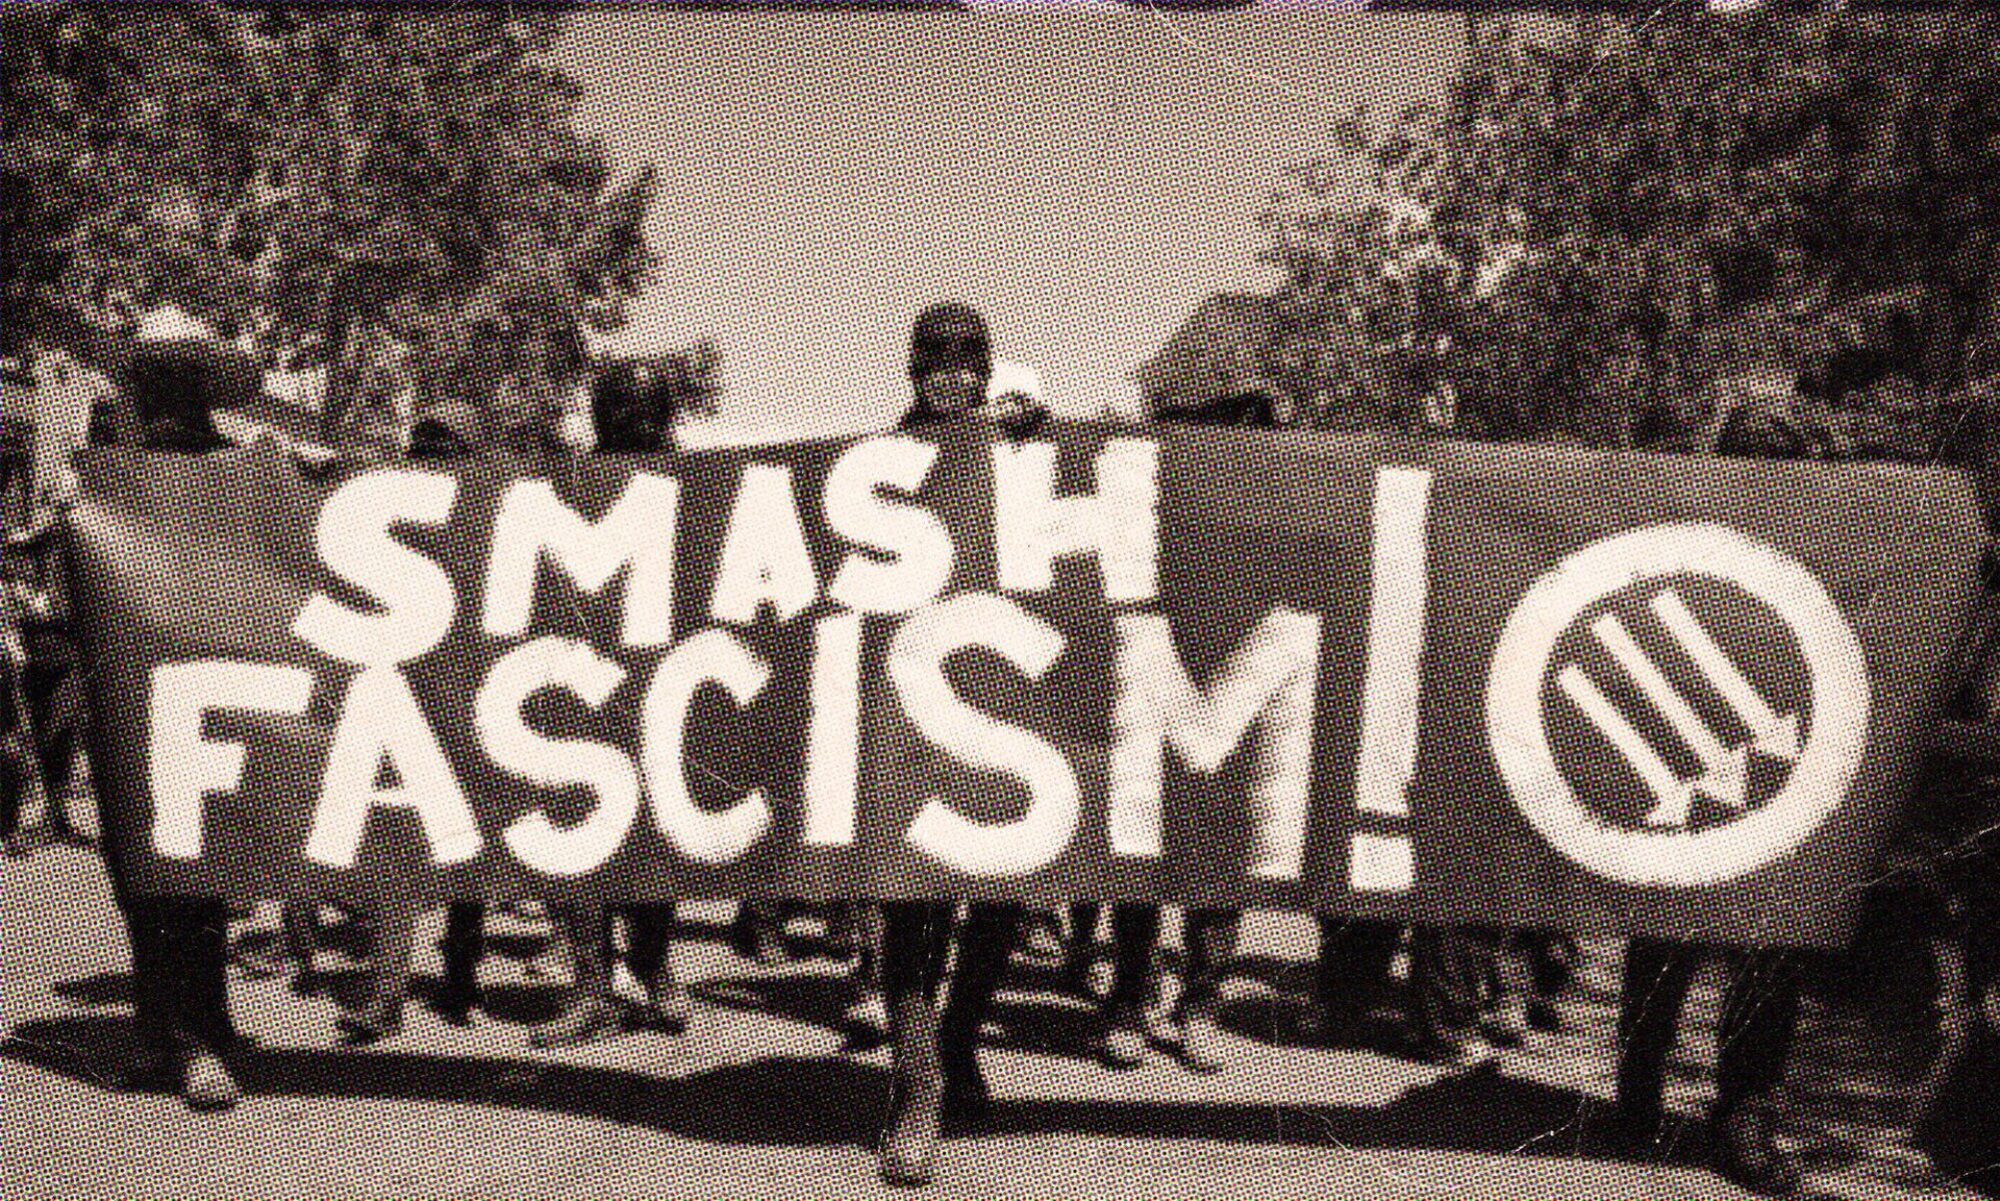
{"x": 343, "y": 380}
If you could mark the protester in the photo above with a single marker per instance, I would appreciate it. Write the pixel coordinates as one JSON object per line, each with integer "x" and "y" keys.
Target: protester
{"x": 1760, "y": 1003}
{"x": 934, "y": 1056}
{"x": 1208, "y": 939}
{"x": 632, "y": 415}
{"x": 176, "y": 377}
{"x": 449, "y": 432}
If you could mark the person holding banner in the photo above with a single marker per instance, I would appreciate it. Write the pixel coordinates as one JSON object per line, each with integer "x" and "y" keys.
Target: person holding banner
{"x": 174, "y": 380}
{"x": 1760, "y": 1003}
{"x": 1208, "y": 933}
{"x": 452, "y": 431}
{"x": 933, "y": 1055}
{"x": 632, "y": 416}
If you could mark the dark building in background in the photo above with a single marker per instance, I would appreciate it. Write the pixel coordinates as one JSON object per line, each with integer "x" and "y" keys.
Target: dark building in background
{"x": 1211, "y": 371}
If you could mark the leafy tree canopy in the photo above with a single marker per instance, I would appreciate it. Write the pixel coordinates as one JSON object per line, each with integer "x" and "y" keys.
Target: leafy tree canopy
{"x": 388, "y": 193}
{"x": 1614, "y": 229}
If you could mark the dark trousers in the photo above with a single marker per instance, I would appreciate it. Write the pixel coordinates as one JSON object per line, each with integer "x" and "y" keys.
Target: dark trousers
{"x": 587, "y": 929}
{"x": 1448, "y": 969}
{"x": 464, "y": 947}
{"x": 1351, "y": 974}
{"x": 649, "y": 931}
{"x": 916, "y": 936}
{"x": 1210, "y": 938}
{"x": 180, "y": 981}
{"x": 1760, "y": 1011}
{"x": 180, "y": 964}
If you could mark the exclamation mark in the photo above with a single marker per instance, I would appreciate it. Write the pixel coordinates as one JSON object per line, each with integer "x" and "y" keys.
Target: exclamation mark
{"x": 1382, "y": 859}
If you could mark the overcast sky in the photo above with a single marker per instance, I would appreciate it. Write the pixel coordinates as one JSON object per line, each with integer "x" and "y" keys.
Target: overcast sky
{"x": 1085, "y": 177}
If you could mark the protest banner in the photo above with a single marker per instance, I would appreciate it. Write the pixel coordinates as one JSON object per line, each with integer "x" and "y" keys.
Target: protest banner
{"x": 1434, "y": 680}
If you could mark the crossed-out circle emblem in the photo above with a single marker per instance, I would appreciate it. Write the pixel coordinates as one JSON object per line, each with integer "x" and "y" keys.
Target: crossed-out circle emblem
{"x": 1835, "y": 708}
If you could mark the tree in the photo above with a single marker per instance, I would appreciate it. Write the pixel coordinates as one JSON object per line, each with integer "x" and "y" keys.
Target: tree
{"x": 1363, "y": 313}
{"x": 126, "y": 136}
{"x": 378, "y": 191}
{"x": 1633, "y": 222}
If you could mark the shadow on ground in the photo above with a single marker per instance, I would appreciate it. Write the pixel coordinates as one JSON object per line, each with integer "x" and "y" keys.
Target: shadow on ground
{"x": 836, "y": 1100}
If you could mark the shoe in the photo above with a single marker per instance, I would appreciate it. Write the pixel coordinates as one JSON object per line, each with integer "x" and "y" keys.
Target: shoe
{"x": 909, "y": 1148}
{"x": 1042, "y": 940}
{"x": 866, "y": 1022}
{"x": 206, "y": 1085}
{"x": 1201, "y": 1042}
{"x": 1123, "y": 1044}
{"x": 1747, "y": 1152}
{"x": 585, "y": 1021}
{"x": 668, "y": 1006}
{"x": 455, "y": 1005}
{"x": 1544, "y": 1016}
{"x": 1505, "y": 1027}
{"x": 366, "y": 1029}
{"x": 967, "y": 1100}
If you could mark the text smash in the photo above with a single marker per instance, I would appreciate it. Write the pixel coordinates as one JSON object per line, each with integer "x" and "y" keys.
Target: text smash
{"x": 895, "y": 565}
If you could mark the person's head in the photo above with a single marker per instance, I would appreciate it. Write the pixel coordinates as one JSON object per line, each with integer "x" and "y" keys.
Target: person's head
{"x": 175, "y": 386}
{"x": 951, "y": 359}
{"x": 449, "y": 431}
{"x": 633, "y": 410}
{"x": 1251, "y": 411}
{"x": 1763, "y": 432}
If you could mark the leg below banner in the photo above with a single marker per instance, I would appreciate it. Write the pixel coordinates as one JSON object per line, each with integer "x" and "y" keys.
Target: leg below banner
{"x": 464, "y": 947}
{"x": 915, "y": 938}
{"x": 650, "y": 929}
{"x": 592, "y": 1012}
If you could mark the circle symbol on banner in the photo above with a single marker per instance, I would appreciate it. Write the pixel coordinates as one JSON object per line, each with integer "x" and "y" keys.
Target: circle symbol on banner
{"x": 1669, "y": 849}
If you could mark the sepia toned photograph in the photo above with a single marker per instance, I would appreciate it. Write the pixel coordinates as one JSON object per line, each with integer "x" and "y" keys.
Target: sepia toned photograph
{"x": 1000, "y": 599}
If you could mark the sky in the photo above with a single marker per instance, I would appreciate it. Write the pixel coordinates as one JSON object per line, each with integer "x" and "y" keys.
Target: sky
{"x": 1085, "y": 177}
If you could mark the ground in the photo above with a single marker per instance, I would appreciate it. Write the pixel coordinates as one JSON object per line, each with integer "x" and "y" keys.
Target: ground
{"x": 757, "y": 1099}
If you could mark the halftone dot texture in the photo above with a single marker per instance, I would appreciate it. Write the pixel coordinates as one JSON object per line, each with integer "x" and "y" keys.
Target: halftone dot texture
{"x": 1089, "y": 179}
